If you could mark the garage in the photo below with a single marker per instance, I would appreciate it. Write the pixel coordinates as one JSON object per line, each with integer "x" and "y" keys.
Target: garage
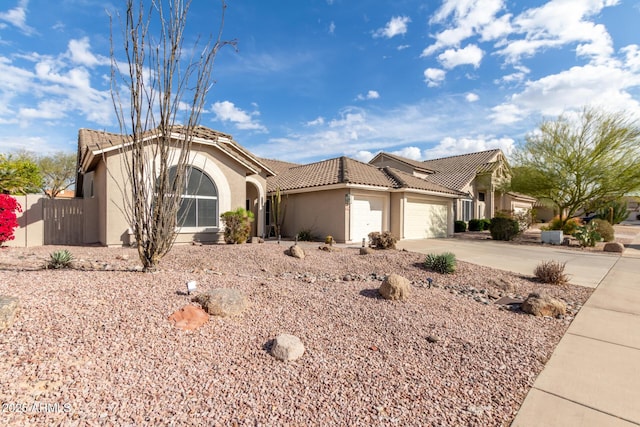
{"x": 366, "y": 216}
{"x": 425, "y": 219}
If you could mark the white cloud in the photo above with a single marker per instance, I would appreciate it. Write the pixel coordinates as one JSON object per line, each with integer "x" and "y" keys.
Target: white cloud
{"x": 470, "y": 54}
{"x": 363, "y": 155}
{"x": 434, "y": 76}
{"x": 332, "y": 27}
{"x": 403, "y": 46}
{"x": 397, "y": 26}
{"x": 372, "y": 94}
{"x": 18, "y": 17}
{"x": 316, "y": 122}
{"x": 226, "y": 111}
{"x": 80, "y": 53}
{"x": 450, "y": 146}
{"x": 412, "y": 153}
{"x": 471, "y": 97}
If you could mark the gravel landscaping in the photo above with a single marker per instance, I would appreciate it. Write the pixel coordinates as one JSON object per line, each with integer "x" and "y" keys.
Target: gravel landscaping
{"x": 93, "y": 345}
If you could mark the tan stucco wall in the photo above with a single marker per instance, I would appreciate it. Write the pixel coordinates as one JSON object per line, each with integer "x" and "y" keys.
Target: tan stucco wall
{"x": 30, "y": 231}
{"x": 321, "y": 212}
{"x": 396, "y": 212}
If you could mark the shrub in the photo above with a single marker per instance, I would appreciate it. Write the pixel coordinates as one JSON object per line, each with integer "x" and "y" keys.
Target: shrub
{"x": 60, "y": 259}
{"x": 604, "y": 229}
{"x": 459, "y": 226}
{"x": 551, "y": 272}
{"x": 485, "y": 223}
{"x": 569, "y": 227}
{"x": 305, "y": 235}
{"x": 384, "y": 240}
{"x": 524, "y": 218}
{"x": 614, "y": 211}
{"x": 8, "y": 218}
{"x": 328, "y": 240}
{"x": 444, "y": 263}
{"x": 237, "y": 225}
{"x": 502, "y": 228}
{"x": 475, "y": 225}
{"x": 587, "y": 235}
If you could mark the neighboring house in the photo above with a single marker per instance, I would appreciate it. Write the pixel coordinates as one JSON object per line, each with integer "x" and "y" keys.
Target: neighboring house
{"x": 348, "y": 199}
{"x": 228, "y": 176}
{"x": 479, "y": 176}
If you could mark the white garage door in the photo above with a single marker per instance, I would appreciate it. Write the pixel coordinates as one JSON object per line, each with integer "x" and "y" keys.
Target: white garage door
{"x": 366, "y": 216}
{"x": 424, "y": 219}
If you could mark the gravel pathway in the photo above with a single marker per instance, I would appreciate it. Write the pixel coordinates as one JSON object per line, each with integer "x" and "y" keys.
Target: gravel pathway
{"x": 93, "y": 346}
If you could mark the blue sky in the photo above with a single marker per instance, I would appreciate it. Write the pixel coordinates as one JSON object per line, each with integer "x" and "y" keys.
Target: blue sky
{"x": 317, "y": 79}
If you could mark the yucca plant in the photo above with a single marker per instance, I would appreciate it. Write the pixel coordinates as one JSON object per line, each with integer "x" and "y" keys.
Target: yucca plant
{"x": 444, "y": 263}
{"x": 60, "y": 259}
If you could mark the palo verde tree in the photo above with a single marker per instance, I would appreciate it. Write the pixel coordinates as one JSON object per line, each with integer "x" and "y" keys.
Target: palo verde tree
{"x": 573, "y": 161}
{"x": 155, "y": 92}
{"x": 19, "y": 174}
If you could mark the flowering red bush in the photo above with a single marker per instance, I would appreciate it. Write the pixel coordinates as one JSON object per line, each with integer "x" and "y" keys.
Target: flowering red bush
{"x": 8, "y": 219}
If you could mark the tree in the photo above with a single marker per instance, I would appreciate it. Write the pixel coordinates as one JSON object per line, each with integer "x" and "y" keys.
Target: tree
{"x": 58, "y": 172}
{"x": 571, "y": 162}
{"x": 159, "y": 84}
{"x": 19, "y": 174}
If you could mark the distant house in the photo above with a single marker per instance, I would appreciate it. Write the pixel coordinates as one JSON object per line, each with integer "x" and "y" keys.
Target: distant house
{"x": 479, "y": 176}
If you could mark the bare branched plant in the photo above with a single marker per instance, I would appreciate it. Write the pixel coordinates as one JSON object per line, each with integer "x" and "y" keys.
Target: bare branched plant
{"x": 158, "y": 95}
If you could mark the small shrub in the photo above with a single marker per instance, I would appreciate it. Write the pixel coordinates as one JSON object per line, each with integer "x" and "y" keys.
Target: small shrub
{"x": 485, "y": 223}
{"x": 587, "y": 235}
{"x": 384, "y": 240}
{"x": 237, "y": 225}
{"x": 444, "y": 263}
{"x": 328, "y": 240}
{"x": 502, "y": 228}
{"x": 475, "y": 225}
{"x": 8, "y": 218}
{"x": 551, "y": 272}
{"x": 524, "y": 218}
{"x": 459, "y": 227}
{"x": 568, "y": 228}
{"x": 60, "y": 259}
{"x": 305, "y": 235}
{"x": 604, "y": 229}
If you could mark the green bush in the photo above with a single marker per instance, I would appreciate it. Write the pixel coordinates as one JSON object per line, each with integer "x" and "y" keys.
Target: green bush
{"x": 60, "y": 259}
{"x": 604, "y": 229}
{"x": 459, "y": 226}
{"x": 485, "y": 223}
{"x": 475, "y": 225}
{"x": 383, "y": 240}
{"x": 305, "y": 235}
{"x": 551, "y": 272}
{"x": 237, "y": 225}
{"x": 444, "y": 263}
{"x": 588, "y": 235}
{"x": 615, "y": 211}
{"x": 568, "y": 228}
{"x": 502, "y": 228}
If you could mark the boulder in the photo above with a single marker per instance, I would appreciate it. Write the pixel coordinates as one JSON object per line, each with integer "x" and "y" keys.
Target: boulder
{"x": 222, "y": 302}
{"x": 366, "y": 251}
{"x": 543, "y": 305}
{"x": 502, "y": 284}
{"x": 9, "y": 308}
{"x": 287, "y": 347}
{"x": 189, "y": 318}
{"x": 395, "y": 287}
{"x": 613, "y": 247}
{"x": 296, "y": 252}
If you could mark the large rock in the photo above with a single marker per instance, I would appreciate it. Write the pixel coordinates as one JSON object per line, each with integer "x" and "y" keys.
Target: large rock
{"x": 9, "y": 308}
{"x": 296, "y": 252}
{"x": 395, "y": 287}
{"x": 543, "y": 305}
{"x": 502, "y": 284}
{"x": 366, "y": 251}
{"x": 287, "y": 347}
{"x": 613, "y": 247}
{"x": 189, "y": 318}
{"x": 222, "y": 302}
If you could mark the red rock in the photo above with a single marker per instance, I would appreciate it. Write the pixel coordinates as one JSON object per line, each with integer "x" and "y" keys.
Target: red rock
{"x": 189, "y": 318}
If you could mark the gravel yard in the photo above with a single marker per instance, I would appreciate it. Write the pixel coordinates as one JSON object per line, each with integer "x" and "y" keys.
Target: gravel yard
{"x": 93, "y": 345}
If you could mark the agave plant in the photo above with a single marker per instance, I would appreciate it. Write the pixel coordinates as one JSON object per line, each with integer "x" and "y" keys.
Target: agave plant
{"x": 60, "y": 259}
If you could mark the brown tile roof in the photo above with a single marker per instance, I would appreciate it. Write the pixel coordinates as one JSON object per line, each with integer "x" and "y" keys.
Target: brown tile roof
{"x": 416, "y": 164}
{"x": 278, "y": 166}
{"x": 406, "y": 180}
{"x": 458, "y": 171}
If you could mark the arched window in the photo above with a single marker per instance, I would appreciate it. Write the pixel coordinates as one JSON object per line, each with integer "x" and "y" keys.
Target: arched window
{"x": 199, "y": 206}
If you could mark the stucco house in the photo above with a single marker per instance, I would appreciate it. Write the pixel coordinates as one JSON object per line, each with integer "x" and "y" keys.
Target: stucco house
{"x": 479, "y": 176}
{"x": 228, "y": 176}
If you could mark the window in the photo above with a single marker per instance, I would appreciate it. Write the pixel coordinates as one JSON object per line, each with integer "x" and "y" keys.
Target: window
{"x": 481, "y": 196}
{"x": 199, "y": 206}
{"x": 467, "y": 210}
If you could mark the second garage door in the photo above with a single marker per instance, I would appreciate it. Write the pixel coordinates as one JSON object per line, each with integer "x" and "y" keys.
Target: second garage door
{"x": 423, "y": 219}
{"x": 366, "y": 216}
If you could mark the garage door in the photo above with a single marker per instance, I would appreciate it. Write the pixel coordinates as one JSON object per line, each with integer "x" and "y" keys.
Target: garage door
{"x": 424, "y": 219}
{"x": 366, "y": 216}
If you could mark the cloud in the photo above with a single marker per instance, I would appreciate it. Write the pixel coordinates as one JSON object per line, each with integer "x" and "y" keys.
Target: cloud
{"x": 471, "y": 97}
{"x": 452, "y": 58}
{"x": 363, "y": 155}
{"x": 434, "y": 76}
{"x": 332, "y": 27}
{"x": 450, "y": 146}
{"x": 397, "y": 26}
{"x": 316, "y": 122}
{"x": 412, "y": 153}
{"x": 226, "y": 111}
{"x": 372, "y": 94}
{"x": 18, "y": 17}
{"x": 80, "y": 53}
{"x": 403, "y": 46}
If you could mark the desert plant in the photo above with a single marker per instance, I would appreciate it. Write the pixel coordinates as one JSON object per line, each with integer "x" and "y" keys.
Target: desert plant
{"x": 475, "y": 225}
{"x": 587, "y": 235}
{"x": 502, "y": 228}
{"x": 568, "y": 227}
{"x": 443, "y": 263}
{"x": 459, "y": 227}
{"x": 524, "y": 218}
{"x": 551, "y": 272}
{"x": 328, "y": 240}
{"x": 278, "y": 211}
{"x": 237, "y": 225}
{"x": 305, "y": 235}
{"x": 8, "y": 218}
{"x": 384, "y": 240}
{"x": 614, "y": 211}
{"x": 604, "y": 229}
{"x": 60, "y": 259}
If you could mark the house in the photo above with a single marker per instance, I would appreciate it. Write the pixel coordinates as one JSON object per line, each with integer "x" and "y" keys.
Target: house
{"x": 228, "y": 176}
{"x": 348, "y": 199}
{"x": 479, "y": 176}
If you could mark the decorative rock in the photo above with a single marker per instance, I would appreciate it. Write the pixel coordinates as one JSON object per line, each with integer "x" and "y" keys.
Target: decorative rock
{"x": 9, "y": 308}
{"x": 432, "y": 339}
{"x": 222, "y": 302}
{"x": 366, "y": 251}
{"x": 502, "y": 284}
{"x": 296, "y": 252}
{"x": 613, "y": 247}
{"x": 189, "y": 318}
{"x": 287, "y": 347}
{"x": 395, "y": 287}
{"x": 543, "y": 305}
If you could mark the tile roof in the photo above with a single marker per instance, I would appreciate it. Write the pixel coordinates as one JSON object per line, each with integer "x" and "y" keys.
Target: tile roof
{"x": 416, "y": 164}
{"x": 458, "y": 171}
{"x": 278, "y": 166}
{"x": 406, "y": 180}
